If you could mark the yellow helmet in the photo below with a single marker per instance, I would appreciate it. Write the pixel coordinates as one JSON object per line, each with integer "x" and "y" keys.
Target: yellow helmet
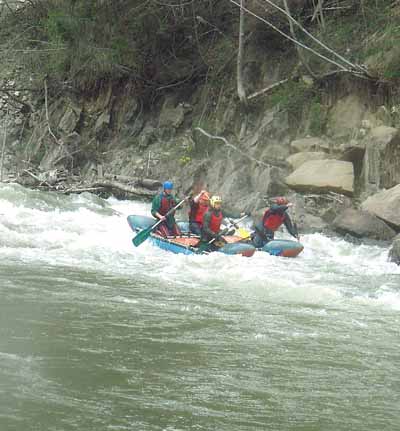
{"x": 215, "y": 200}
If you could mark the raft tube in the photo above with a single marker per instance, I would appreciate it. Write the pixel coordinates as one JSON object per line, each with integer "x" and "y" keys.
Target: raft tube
{"x": 283, "y": 247}
{"x": 276, "y": 247}
{"x": 187, "y": 244}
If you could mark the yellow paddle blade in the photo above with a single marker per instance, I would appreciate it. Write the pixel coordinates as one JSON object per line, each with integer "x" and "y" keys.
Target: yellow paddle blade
{"x": 243, "y": 233}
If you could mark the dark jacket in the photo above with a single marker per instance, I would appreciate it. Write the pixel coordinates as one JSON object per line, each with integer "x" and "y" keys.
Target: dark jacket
{"x": 157, "y": 204}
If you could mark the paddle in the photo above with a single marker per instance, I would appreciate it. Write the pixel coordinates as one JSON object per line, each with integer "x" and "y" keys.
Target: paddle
{"x": 242, "y": 232}
{"x": 204, "y": 246}
{"x": 145, "y": 233}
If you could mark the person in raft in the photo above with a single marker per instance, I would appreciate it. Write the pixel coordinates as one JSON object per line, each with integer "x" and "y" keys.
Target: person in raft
{"x": 211, "y": 229}
{"x": 198, "y": 208}
{"x": 161, "y": 204}
{"x": 272, "y": 219}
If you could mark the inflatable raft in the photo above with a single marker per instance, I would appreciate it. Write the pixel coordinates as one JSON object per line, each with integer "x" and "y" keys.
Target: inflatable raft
{"x": 283, "y": 247}
{"x": 185, "y": 243}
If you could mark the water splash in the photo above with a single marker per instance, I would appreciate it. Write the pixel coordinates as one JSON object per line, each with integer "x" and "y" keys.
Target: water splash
{"x": 89, "y": 233}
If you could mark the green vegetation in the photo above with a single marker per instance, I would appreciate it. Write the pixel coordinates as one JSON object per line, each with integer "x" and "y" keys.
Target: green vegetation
{"x": 146, "y": 49}
{"x": 365, "y": 32}
{"x": 157, "y": 45}
{"x": 163, "y": 45}
{"x": 292, "y": 98}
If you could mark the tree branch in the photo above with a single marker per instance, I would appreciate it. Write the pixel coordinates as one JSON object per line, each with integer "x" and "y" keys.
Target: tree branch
{"x": 268, "y": 89}
{"x": 240, "y": 87}
{"x": 298, "y": 49}
{"x": 227, "y": 143}
{"x": 354, "y": 68}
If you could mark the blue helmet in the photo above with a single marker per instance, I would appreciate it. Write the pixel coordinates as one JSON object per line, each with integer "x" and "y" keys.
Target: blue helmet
{"x": 168, "y": 185}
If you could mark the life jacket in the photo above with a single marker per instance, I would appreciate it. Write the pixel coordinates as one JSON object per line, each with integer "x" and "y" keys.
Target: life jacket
{"x": 272, "y": 221}
{"x": 197, "y": 212}
{"x": 165, "y": 204}
{"x": 215, "y": 221}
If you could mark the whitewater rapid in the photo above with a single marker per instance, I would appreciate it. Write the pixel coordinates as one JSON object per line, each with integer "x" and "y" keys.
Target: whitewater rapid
{"x": 90, "y": 233}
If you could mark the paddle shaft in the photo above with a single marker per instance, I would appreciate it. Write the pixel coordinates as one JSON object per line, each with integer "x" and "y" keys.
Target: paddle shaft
{"x": 169, "y": 212}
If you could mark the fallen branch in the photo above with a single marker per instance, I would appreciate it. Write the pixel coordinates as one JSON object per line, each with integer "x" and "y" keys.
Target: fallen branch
{"x": 38, "y": 179}
{"x": 147, "y": 183}
{"x": 268, "y": 89}
{"x": 81, "y": 190}
{"x": 330, "y": 196}
{"x": 114, "y": 185}
{"x": 227, "y": 143}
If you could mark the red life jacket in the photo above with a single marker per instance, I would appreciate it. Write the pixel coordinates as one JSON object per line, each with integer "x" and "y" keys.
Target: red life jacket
{"x": 215, "y": 221}
{"x": 273, "y": 221}
{"x": 165, "y": 204}
{"x": 197, "y": 212}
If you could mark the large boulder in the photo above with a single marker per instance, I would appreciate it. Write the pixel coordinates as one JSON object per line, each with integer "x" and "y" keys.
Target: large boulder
{"x": 385, "y": 205}
{"x": 381, "y": 167}
{"x": 323, "y": 176}
{"x": 362, "y": 224}
{"x": 297, "y": 159}
{"x": 394, "y": 252}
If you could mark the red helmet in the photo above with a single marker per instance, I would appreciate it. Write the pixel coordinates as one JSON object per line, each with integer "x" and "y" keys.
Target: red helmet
{"x": 280, "y": 200}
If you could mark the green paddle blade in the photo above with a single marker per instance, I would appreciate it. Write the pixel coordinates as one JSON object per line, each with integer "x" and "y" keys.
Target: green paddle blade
{"x": 142, "y": 236}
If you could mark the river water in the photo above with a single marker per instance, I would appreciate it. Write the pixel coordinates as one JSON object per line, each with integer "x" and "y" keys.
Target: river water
{"x": 98, "y": 335}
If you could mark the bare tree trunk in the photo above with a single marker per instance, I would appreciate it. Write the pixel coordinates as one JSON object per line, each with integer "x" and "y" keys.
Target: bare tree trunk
{"x": 3, "y": 148}
{"x": 240, "y": 87}
{"x": 293, "y": 33}
{"x": 319, "y": 13}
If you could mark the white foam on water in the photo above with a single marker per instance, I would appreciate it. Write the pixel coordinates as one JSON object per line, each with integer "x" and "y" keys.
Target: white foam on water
{"x": 93, "y": 234}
